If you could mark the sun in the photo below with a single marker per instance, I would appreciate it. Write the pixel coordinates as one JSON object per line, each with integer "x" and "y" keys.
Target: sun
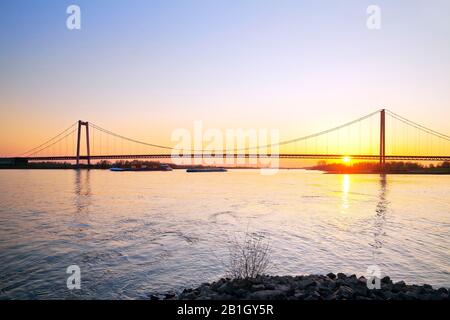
{"x": 346, "y": 160}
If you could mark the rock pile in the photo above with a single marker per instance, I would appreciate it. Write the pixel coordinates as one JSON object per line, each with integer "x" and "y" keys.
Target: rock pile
{"x": 310, "y": 287}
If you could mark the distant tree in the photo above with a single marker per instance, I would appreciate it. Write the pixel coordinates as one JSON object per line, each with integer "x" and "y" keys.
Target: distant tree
{"x": 103, "y": 164}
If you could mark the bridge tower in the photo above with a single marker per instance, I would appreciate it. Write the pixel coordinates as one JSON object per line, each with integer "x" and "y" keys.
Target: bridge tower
{"x": 382, "y": 137}
{"x": 88, "y": 149}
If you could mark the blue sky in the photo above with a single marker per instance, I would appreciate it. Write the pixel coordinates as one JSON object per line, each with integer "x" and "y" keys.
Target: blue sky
{"x": 297, "y": 65}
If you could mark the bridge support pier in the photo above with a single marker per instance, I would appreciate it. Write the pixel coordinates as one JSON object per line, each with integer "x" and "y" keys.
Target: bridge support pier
{"x": 382, "y": 137}
{"x": 88, "y": 149}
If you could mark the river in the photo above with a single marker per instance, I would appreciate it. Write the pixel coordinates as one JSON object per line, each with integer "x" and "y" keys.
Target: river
{"x": 134, "y": 234}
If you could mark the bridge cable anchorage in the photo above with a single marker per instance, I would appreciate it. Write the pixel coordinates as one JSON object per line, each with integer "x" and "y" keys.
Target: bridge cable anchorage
{"x": 239, "y": 149}
{"x": 418, "y": 126}
{"x": 48, "y": 141}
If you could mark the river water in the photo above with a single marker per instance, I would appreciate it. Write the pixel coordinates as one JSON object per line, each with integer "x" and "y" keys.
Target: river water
{"x": 133, "y": 234}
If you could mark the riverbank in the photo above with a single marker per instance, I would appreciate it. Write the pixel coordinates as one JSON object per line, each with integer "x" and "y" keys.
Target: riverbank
{"x": 311, "y": 287}
{"x": 329, "y": 168}
{"x": 105, "y": 165}
{"x": 380, "y": 172}
{"x": 387, "y": 168}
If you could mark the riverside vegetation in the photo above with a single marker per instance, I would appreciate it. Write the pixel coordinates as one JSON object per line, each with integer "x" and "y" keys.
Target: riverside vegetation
{"x": 389, "y": 167}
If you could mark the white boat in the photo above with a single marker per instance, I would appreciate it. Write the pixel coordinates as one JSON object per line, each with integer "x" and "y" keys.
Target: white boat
{"x": 206, "y": 170}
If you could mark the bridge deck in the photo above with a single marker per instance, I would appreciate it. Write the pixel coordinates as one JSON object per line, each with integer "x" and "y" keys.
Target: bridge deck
{"x": 280, "y": 156}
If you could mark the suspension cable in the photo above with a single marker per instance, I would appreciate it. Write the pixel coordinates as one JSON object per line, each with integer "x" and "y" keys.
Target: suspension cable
{"x": 418, "y": 126}
{"x": 50, "y": 140}
{"x": 46, "y": 147}
{"x": 241, "y": 149}
{"x": 128, "y": 139}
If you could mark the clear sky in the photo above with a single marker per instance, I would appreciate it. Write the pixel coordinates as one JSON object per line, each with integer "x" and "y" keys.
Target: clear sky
{"x": 145, "y": 68}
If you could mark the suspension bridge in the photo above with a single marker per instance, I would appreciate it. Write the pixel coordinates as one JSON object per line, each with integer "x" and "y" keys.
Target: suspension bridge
{"x": 381, "y": 135}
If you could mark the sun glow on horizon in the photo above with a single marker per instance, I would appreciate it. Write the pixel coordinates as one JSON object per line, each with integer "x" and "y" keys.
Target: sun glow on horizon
{"x": 346, "y": 160}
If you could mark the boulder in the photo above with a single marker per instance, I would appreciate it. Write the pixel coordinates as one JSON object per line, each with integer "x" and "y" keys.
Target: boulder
{"x": 331, "y": 276}
{"x": 269, "y": 286}
{"x": 241, "y": 293}
{"x": 314, "y": 295}
{"x": 442, "y": 290}
{"x": 427, "y": 287}
{"x": 225, "y": 288}
{"x": 300, "y": 294}
{"x": 399, "y": 286}
{"x": 344, "y": 292}
{"x": 169, "y": 295}
{"x": 386, "y": 280}
{"x": 257, "y": 287}
{"x": 303, "y": 284}
{"x": 341, "y": 276}
{"x": 267, "y": 295}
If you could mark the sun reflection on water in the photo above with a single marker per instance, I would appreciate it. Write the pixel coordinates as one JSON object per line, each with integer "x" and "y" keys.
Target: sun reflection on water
{"x": 345, "y": 192}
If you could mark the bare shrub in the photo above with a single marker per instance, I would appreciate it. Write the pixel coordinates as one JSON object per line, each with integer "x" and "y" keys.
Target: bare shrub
{"x": 249, "y": 257}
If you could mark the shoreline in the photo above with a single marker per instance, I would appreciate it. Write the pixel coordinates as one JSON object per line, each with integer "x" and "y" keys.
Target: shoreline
{"x": 306, "y": 287}
{"x": 238, "y": 168}
{"x": 415, "y": 173}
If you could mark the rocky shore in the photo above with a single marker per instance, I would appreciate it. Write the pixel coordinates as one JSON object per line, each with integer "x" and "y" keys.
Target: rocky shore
{"x": 310, "y": 287}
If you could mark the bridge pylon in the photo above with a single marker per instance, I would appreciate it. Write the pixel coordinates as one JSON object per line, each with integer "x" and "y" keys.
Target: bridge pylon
{"x": 382, "y": 137}
{"x": 88, "y": 149}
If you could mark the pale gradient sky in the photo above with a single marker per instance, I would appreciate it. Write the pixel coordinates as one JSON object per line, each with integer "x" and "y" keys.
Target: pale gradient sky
{"x": 145, "y": 68}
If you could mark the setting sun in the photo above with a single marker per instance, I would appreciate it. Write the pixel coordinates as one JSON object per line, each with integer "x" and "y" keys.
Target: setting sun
{"x": 346, "y": 160}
